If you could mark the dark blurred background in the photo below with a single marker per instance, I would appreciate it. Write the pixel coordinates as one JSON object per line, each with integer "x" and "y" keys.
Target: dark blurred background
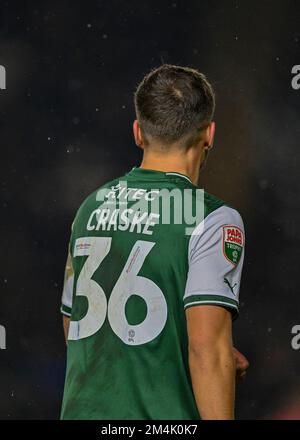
{"x": 66, "y": 128}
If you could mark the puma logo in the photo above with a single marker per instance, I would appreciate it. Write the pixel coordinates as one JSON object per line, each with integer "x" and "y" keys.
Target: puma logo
{"x": 229, "y": 285}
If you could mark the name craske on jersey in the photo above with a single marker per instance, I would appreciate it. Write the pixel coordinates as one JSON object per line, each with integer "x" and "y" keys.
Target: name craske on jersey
{"x": 127, "y": 285}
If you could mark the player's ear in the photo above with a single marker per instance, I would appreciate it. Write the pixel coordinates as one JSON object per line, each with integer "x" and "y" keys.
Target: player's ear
{"x": 210, "y": 135}
{"x": 137, "y": 133}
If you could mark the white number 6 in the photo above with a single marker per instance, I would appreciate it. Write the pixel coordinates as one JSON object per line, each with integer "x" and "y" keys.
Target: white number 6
{"x": 129, "y": 283}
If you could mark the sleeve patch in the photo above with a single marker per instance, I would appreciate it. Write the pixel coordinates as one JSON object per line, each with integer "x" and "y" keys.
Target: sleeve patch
{"x": 233, "y": 243}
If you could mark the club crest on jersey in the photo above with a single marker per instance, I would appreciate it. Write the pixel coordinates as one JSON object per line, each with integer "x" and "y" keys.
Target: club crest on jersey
{"x": 233, "y": 243}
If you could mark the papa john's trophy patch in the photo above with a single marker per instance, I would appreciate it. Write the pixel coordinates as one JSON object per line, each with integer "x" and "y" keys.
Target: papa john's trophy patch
{"x": 233, "y": 243}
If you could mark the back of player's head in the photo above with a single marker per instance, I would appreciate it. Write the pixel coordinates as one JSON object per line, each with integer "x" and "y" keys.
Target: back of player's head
{"x": 173, "y": 105}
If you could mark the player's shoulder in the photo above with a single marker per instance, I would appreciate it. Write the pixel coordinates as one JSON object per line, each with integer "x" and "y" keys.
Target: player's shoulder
{"x": 222, "y": 223}
{"x": 218, "y": 211}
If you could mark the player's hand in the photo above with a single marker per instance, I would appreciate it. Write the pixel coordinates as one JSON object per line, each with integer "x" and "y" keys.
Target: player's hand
{"x": 242, "y": 364}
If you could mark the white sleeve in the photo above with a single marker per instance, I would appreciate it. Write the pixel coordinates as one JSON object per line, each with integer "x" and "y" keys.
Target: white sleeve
{"x": 216, "y": 255}
{"x": 67, "y": 294}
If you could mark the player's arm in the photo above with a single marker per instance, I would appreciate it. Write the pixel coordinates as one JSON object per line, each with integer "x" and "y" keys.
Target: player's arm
{"x": 211, "y": 361}
{"x": 242, "y": 364}
{"x": 216, "y": 253}
{"x": 67, "y": 295}
{"x": 66, "y": 325}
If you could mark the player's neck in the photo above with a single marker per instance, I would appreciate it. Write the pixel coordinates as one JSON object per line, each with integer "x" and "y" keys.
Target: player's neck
{"x": 186, "y": 164}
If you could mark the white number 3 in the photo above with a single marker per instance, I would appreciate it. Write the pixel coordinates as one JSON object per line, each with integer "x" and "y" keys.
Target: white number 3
{"x": 129, "y": 283}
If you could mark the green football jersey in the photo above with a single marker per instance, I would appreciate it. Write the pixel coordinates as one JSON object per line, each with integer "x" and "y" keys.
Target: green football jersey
{"x": 143, "y": 248}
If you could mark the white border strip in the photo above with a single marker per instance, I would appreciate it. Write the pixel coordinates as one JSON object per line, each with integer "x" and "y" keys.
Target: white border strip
{"x": 212, "y": 302}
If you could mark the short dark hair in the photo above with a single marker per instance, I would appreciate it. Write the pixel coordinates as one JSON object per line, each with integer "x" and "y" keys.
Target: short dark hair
{"x": 173, "y": 104}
